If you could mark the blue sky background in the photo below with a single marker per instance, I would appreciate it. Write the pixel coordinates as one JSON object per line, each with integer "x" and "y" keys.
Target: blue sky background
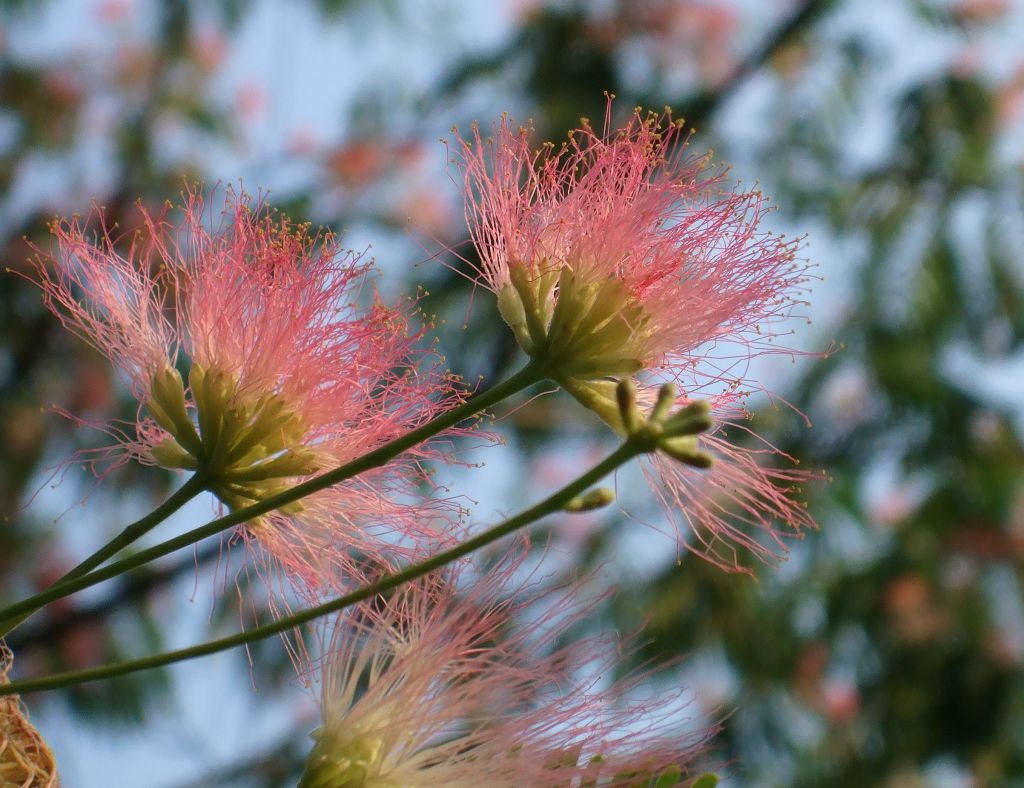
{"x": 302, "y": 77}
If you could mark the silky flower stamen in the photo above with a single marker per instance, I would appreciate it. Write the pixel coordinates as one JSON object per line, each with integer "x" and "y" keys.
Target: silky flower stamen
{"x": 740, "y": 497}
{"x": 620, "y": 252}
{"x": 283, "y": 373}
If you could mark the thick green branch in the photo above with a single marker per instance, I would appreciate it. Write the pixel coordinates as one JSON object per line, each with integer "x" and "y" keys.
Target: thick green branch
{"x": 631, "y": 448}
{"x": 527, "y": 376}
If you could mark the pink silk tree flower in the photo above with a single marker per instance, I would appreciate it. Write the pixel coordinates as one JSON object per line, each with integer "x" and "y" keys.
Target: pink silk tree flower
{"x": 620, "y": 253}
{"x": 286, "y": 374}
{"x": 434, "y": 686}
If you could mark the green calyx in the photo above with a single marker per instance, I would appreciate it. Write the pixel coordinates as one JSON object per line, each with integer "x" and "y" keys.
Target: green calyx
{"x": 248, "y": 448}
{"x": 579, "y": 330}
{"x": 340, "y": 762}
{"x": 581, "y": 333}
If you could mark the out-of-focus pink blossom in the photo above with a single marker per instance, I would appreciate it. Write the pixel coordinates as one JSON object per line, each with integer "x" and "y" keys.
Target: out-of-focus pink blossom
{"x": 437, "y": 687}
{"x": 133, "y": 65}
{"x": 358, "y": 163}
{"x": 209, "y": 48}
{"x": 915, "y": 614}
{"x": 980, "y": 11}
{"x": 64, "y": 86}
{"x": 840, "y": 701}
{"x": 427, "y": 211}
{"x": 113, "y": 11}
{"x": 1010, "y": 97}
{"x": 302, "y": 141}
{"x": 687, "y": 35}
{"x": 251, "y": 100}
{"x": 287, "y": 374}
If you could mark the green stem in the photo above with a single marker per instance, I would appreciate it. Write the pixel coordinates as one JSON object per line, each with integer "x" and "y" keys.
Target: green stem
{"x": 631, "y": 448}
{"x": 527, "y": 376}
{"x": 16, "y": 614}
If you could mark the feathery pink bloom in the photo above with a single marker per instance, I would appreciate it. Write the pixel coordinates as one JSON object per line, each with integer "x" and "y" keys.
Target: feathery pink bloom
{"x": 287, "y": 374}
{"x": 742, "y": 502}
{"x": 620, "y": 252}
{"x": 436, "y": 687}
{"x": 644, "y": 248}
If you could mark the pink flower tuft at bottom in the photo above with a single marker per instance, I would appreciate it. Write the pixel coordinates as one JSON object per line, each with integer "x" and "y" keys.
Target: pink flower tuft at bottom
{"x": 437, "y": 687}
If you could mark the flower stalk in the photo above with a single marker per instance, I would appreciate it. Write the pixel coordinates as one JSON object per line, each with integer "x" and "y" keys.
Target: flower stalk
{"x": 14, "y": 615}
{"x": 553, "y": 503}
{"x": 649, "y": 436}
{"x": 529, "y": 375}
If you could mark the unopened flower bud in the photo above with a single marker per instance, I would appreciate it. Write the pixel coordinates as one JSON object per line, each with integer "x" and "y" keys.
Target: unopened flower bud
{"x": 597, "y": 498}
{"x": 625, "y": 396}
{"x": 685, "y": 450}
{"x": 663, "y": 405}
{"x": 694, "y": 419}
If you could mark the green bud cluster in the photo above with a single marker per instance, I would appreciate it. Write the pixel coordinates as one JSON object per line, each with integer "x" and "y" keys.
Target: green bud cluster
{"x": 247, "y": 448}
{"x": 597, "y": 498}
{"x": 674, "y": 434}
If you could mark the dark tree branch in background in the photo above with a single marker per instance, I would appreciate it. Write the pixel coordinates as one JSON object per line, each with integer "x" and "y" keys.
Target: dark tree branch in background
{"x": 700, "y": 108}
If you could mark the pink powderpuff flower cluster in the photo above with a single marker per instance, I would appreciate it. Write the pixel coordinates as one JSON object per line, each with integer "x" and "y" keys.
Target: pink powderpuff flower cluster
{"x": 286, "y": 374}
{"x": 620, "y": 252}
{"x": 437, "y": 686}
{"x": 678, "y": 257}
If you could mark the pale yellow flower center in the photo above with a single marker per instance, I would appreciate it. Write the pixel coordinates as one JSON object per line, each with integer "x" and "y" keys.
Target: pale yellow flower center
{"x": 339, "y": 761}
{"x": 582, "y": 332}
{"x": 248, "y": 447}
{"x": 580, "y": 329}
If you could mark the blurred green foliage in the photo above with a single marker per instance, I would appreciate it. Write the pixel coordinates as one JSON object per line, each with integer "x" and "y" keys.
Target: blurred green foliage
{"x": 888, "y": 651}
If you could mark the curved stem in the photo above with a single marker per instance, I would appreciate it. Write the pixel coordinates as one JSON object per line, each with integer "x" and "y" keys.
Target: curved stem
{"x": 553, "y": 503}
{"x": 12, "y": 616}
{"x": 527, "y": 376}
